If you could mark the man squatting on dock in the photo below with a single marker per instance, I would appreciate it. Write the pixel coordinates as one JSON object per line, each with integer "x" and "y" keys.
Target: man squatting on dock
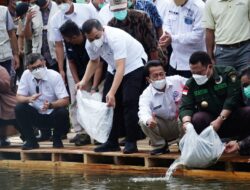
{"x": 213, "y": 94}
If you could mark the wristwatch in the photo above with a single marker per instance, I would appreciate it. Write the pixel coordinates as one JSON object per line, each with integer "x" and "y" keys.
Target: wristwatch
{"x": 223, "y": 118}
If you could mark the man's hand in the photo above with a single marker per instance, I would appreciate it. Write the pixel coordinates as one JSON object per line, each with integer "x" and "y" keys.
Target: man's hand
{"x": 184, "y": 125}
{"x": 217, "y": 123}
{"x": 152, "y": 123}
{"x": 16, "y": 62}
{"x": 81, "y": 85}
{"x": 232, "y": 147}
{"x": 165, "y": 40}
{"x": 46, "y": 105}
{"x": 29, "y": 15}
{"x": 34, "y": 97}
{"x": 110, "y": 99}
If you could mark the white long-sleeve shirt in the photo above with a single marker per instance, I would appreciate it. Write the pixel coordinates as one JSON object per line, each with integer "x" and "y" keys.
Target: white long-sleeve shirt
{"x": 162, "y": 104}
{"x": 184, "y": 25}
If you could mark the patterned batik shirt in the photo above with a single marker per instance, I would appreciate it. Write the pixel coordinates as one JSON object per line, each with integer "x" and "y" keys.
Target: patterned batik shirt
{"x": 150, "y": 8}
{"x": 139, "y": 25}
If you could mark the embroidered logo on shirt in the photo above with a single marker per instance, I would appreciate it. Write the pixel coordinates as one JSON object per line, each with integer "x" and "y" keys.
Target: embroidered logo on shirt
{"x": 188, "y": 20}
{"x": 175, "y": 95}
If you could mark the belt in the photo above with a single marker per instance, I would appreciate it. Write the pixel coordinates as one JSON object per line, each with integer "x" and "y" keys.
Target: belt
{"x": 236, "y": 45}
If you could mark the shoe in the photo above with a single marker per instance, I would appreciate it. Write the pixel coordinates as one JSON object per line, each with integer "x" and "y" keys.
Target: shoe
{"x": 97, "y": 143}
{"x": 160, "y": 151}
{"x": 108, "y": 147}
{"x": 57, "y": 143}
{"x": 80, "y": 139}
{"x": 75, "y": 138}
{"x": 122, "y": 142}
{"x": 4, "y": 143}
{"x": 130, "y": 147}
{"x": 29, "y": 145}
{"x": 43, "y": 135}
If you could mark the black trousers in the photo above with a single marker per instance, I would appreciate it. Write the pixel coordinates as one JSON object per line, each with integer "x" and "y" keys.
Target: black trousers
{"x": 6, "y": 65}
{"x": 27, "y": 117}
{"x": 237, "y": 125}
{"x": 172, "y": 71}
{"x": 126, "y": 110}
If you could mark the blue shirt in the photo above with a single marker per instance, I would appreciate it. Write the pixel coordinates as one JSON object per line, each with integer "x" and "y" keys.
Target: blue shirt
{"x": 150, "y": 8}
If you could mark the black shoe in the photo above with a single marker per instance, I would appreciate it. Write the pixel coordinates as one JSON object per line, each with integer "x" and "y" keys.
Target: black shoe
{"x": 43, "y": 134}
{"x": 130, "y": 147}
{"x": 29, "y": 145}
{"x": 80, "y": 139}
{"x": 97, "y": 143}
{"x": 160, "y": 151}
{"x": 108, "y": 147}
{"x": 57, "y": 143}
{"x": 4, "y": 143}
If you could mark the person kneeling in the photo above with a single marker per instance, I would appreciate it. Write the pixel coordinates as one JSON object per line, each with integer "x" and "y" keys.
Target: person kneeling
{"x": 42, "y": 99}
{"x": 158, "y": 107}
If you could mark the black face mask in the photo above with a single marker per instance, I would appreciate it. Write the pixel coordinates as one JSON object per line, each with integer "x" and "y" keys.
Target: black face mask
{"x": 41, "y": 3}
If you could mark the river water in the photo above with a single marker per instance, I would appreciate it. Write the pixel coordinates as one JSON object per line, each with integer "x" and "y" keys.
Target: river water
{"x": 26, "y": 179}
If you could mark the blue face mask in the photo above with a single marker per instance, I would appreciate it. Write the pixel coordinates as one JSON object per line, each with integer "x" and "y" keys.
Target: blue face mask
{"x": 101, "y": 5}
{"x": 246, "y": 91}
{"x": 130, "y": 4}
{"x": 121, "y": 15}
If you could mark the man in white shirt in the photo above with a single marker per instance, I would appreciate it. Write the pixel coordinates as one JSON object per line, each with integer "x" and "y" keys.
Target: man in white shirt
{"x": 124, "y": 56}
{"x": 41, "y": 102}
{"x": 158, "y": 107}
{"x": 79, "y": 13}
{"x": 183, "y": 30}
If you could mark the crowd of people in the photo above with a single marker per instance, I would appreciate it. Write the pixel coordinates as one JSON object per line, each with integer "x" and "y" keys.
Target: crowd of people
{"x": 160, "y": 64}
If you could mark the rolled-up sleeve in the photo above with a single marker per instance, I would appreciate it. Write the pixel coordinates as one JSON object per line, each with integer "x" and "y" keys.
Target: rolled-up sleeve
{"x": 145, "y": 112}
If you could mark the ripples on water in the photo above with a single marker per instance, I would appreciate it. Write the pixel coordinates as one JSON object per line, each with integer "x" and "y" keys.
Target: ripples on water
{"x": 24, "y": 179}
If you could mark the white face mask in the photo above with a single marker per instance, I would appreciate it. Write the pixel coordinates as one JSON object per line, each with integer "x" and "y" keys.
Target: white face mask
{"x": 98, "y": 42}
{"x": 159, "y": 84}
{"x": 39, "y": 73}
{"x": 64, "y": 7}
{"x": 200, "y": 79}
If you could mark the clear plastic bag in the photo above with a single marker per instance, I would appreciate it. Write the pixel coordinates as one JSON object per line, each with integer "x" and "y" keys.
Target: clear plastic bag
{"x": 200, "y": 151}
{"x": 94, "y": 116}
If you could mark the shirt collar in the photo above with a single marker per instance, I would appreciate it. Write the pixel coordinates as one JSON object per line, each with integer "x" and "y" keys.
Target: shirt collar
{"x": 72, "y": 14}
{"x": 47, "y": 8}
{"x": 168, "y": 83}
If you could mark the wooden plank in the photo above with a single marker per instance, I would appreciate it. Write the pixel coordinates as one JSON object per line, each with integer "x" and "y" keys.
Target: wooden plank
{"x": 214, "y": 174}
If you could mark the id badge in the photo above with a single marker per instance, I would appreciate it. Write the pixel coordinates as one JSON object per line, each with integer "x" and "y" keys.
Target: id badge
{"x": 188, "y": 20}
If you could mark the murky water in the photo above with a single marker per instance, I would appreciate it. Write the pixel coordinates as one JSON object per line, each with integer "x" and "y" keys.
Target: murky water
{"x": 25, "y": 179}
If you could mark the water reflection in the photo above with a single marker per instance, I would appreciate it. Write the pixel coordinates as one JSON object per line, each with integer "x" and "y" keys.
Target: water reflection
{"x": 26, "y": 179}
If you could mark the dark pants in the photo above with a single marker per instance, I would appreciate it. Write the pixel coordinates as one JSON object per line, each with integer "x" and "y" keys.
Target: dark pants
{"x": 4, "y": 124}
{"x": 6, "y": 65}
{"x": 54, "y": 66}
{"x": 126, "y": 109}
{"x": 237, "y": 125}
{"x": 172, "y": 71}
{"x": 27, "y": 117}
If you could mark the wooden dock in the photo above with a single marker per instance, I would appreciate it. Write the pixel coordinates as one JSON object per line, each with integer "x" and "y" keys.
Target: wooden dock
{"x": 229, "y": 166}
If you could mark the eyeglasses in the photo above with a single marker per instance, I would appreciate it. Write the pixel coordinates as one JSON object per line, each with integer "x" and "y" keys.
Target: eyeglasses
{"x": 36, "y": 67}
{"x": 155, "y": 76}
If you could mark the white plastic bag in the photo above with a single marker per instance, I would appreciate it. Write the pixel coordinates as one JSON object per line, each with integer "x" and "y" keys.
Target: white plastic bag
{"x": 94, "y": 116}
{"x": 200, "y": 151}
